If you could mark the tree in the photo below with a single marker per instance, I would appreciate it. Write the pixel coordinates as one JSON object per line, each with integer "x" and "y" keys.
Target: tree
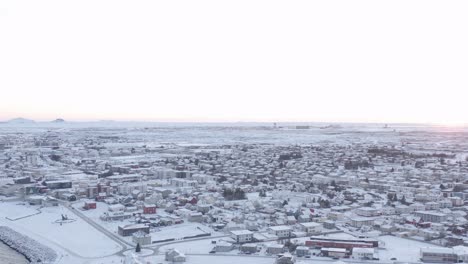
{"x": 138, "y": 248}
{"x": 403, "y": 200}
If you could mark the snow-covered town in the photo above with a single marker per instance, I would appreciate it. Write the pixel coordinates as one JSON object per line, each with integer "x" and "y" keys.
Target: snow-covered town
{"x": 109, "y": 192}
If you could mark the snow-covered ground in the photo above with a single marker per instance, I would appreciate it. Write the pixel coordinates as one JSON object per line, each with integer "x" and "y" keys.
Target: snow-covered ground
{"x": 402, "y": 249}
{"x": 77, "y": 236}
{"x": 15, "y": 210}
{"x": 192, "y": 247}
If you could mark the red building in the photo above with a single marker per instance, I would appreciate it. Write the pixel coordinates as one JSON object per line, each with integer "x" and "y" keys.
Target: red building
{"x": 89, "y": 205}
{"x": 338, "y": 244}
{"x": 149, "y": 209}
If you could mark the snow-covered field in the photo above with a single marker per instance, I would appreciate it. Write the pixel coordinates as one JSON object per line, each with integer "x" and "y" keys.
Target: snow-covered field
{"x": 192, "y": 247}
{"x": 77, "y": 236}
{"x": 15, "y": 210}
{"x": 402, "y": 249}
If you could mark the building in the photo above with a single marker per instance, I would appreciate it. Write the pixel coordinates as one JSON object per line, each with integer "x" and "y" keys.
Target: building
{"x": 64, "y": 184}
{"x": 89, "y": 205}
{"x": 318, "y": 242}
{"x": 334, "y": 252}
{"x": 115, "y": 216}
{"x": 361, "y": 221}
{"x": 285, "y": 258}
{"x": 173, "y": 255}
{"x": 223, "y": 246}
{"x": 311, "y": 228}
{"x": 462, "y": 253}
{"x": 242, "y": 236}
{"x": 302, "y": 251}
{"x": 195, "y": 217}
{"x": 280, "y": 231}
{"x": 367, "y": 211}
{"x": 430, "y": 216}
{"x": 129, "y": 230}
{"x": 438, "y": 255}
{"x": 363, "y": 253}
{"x": 329, "y": 224}
{"x": 149, "y": 209}
{"x": 248, "y": 248}
{"x": 275, "y": 249}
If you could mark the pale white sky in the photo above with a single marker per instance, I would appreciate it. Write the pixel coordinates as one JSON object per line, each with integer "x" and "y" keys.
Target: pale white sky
{"x": 354, "y": 61}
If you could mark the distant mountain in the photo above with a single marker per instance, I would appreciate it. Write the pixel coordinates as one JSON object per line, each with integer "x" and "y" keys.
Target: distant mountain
{"x": 58, "y": 120}
{"x": 21, "y": 120}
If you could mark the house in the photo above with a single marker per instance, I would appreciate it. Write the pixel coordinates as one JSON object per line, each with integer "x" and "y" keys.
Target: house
{"x": 129, "y": 230}
{"x": 280, "y": 231}
{"x": 242, "y": 236}
{"x": 149, "y": 209}
{"x": 275, "y": 249}
{"x": 173, "y": 255}
{"x": 462, "y": 253}
{"x": 248, "y": 248}
{"x": 49, "y": 202}
{"x": 223, "y": 246}
{"x": 116, "y": 208}
{"x": 115, "y": 216}
{"x": 285, "y": 258}
{"x": 291, "y": 220}
{"x": 203, "y": 208}
{"x": 311, "y": 228}
{"x": 334, "y": 252}
{"x": 361, "y": 221}
{"x": 89, "y": 205}
{"x": 302, "y": 251}
{"x": 438, "y": 255}
{"x": 363, "y": 253}
{"x": 367, "y": 211}
{"x": 35, "y": 199}
{"x": 329, "y": 224}
{"x": 195, "y": 217}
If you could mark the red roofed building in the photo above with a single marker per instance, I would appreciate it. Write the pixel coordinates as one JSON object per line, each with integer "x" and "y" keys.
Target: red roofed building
{"x": 149, "y": 209}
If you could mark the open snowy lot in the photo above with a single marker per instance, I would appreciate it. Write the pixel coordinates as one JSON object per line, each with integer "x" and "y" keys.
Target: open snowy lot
{"x": 192, "y": 259}
{"x": 401, "y": 248}
{"x": 16, "y": 210}
{"x": 76, "y": 235}
{"x": 192, "y": 247}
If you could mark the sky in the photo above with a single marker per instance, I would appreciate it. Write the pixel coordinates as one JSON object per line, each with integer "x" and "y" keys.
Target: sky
{"x": 325, "y": 61}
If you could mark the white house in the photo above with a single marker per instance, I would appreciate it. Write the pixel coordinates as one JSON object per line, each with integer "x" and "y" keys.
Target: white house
{"x": 363, "y": 253}
{"x": 280, "y": 231}
{"x": 311, "y": 228}
{"x": 242, "y": 236}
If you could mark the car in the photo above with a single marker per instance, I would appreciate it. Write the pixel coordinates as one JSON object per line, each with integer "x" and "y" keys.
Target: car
{"x": 335, "y": 258}
{"x": 393, "y": 259}
{"x": 212, "y": 252}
